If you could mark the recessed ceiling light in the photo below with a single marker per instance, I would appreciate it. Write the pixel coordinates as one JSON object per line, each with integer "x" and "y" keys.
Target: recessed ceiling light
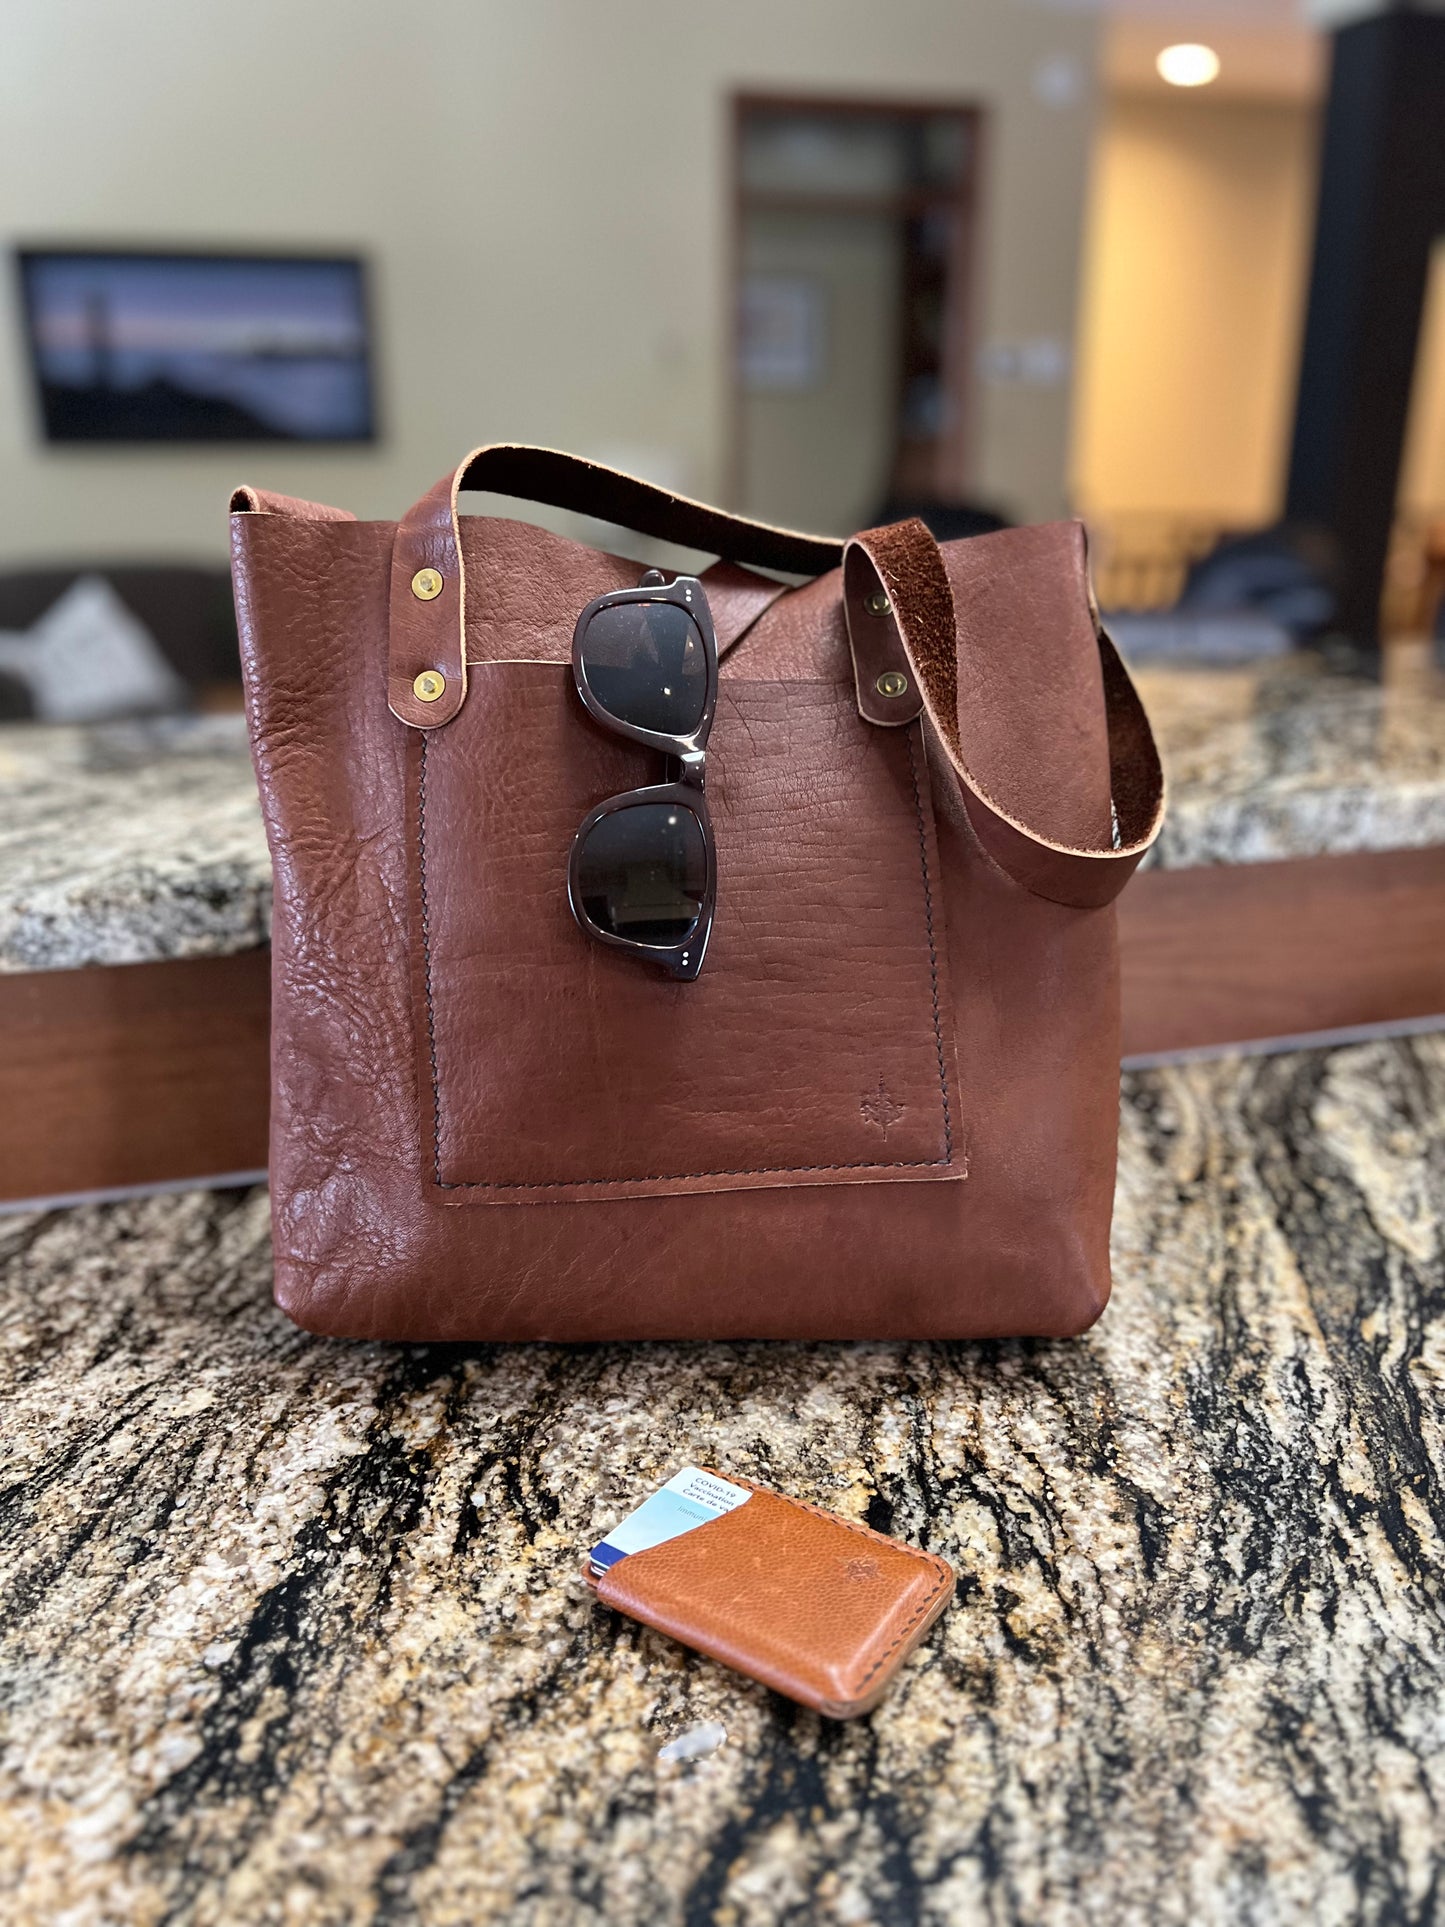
{"x": 1188, "y": 65}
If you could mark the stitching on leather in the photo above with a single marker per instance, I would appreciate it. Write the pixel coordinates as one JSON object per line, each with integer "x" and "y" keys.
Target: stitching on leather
{"x": 932, "y": 950}
{"x": 943, "y": 1569}
{"x": 431, "y": 1035}
{"x": 925, "y": 1605}
{"x": 681, "y": 1177}
{"x": 685, "y": 1177}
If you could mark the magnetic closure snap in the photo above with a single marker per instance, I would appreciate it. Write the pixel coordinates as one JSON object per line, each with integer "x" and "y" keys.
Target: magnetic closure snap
{"x": 426, "y": 586}
{"x": 892, "y": 683}
{"x": 877, "y": 604}
{"x": 430, "y": 684}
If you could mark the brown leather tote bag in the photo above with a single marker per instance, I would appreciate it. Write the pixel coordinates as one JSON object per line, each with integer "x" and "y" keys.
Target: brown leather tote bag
{"x": 888, "y": 1106}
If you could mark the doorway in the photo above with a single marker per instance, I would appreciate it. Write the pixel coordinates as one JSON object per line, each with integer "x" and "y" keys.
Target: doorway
{"x": 854, "y": 288}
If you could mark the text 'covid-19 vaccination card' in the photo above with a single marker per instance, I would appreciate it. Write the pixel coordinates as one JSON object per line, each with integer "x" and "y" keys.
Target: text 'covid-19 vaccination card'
{"x": 686, "y": 1501}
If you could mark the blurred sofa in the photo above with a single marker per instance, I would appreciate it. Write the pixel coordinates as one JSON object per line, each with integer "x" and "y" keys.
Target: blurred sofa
{"x": 187, "y": 608}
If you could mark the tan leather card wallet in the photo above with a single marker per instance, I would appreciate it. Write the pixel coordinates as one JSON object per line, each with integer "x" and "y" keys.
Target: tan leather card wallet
{"x": 818, "y": 1608}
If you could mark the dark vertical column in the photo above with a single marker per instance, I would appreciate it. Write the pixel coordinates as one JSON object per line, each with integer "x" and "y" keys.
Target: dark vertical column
{"x": 1382, "y": 203}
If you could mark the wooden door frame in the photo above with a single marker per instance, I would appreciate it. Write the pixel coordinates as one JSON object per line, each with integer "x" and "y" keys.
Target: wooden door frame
{"x": 961, "y": 327}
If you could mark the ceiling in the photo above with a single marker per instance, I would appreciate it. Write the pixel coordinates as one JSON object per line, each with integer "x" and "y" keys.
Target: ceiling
{"x": 1266, "y": 50}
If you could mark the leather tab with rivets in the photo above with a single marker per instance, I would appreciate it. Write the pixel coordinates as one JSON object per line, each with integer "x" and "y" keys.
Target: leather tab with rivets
{"x": 889, "y": 694}
{"x": 428, "y": 613}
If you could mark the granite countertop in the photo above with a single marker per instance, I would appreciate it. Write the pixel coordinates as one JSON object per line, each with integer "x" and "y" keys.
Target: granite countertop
{"x": 129, "y": 843}
{"x": 293, "y": 1630}
{"x": 1291, "y": 758}
{"x": 136, "y": 842}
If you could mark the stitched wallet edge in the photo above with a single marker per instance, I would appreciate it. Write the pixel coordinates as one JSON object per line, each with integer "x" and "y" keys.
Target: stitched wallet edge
{"x": 885, "y": 1667}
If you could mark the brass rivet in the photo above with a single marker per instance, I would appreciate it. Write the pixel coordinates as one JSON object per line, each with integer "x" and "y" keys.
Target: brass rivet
{"x": 877, "y": 604}
{"x": 426, "y": 586}
{"x": 892, "y": 683}
{"x": 428, "y": 686}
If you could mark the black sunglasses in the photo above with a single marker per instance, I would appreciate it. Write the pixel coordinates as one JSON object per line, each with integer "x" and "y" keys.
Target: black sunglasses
{"x": 643, "y": 871}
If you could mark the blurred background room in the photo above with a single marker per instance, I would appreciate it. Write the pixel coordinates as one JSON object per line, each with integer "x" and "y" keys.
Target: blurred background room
{"x": 1171, "y": 267}
{"x": 295, "y": 1629}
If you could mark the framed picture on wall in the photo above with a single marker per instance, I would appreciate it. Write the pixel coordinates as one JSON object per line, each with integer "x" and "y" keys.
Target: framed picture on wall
{"x": 782, "y": 332}
{"x": 133, "y": 346}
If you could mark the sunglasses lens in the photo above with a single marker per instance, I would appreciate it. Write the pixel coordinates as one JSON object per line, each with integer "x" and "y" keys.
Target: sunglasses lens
{"x": 646, "y": 664}
{"x": 642, "y": 873}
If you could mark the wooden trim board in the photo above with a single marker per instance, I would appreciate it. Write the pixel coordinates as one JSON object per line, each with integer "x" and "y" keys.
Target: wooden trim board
{"x": 148, "y": 1073}
{"x": 1234, "y": 952}
{"x": 133, "y": 1075}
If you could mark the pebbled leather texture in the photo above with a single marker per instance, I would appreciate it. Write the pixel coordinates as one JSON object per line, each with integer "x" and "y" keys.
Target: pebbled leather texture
{"x": 813, "y": 1605}
{"x": 556, "y": 1061}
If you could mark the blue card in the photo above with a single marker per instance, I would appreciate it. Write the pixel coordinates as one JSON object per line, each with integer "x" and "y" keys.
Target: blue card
{"x": 688, "y": 1500}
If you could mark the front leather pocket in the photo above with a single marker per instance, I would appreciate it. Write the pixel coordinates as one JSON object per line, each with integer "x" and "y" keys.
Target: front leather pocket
{"x": 815, "y": 1048}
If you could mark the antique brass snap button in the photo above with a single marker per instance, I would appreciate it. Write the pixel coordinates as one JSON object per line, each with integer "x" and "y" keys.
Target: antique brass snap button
{"x": 892, "y": 683}
{"x": 428, "y": 686}
{"x": 877, "y": 604}
{"x": 426, "y": 586}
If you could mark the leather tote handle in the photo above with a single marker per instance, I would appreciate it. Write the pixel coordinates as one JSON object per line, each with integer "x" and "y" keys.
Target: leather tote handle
{"x": 903, "y": 564}
{"x": 429, "y": 633}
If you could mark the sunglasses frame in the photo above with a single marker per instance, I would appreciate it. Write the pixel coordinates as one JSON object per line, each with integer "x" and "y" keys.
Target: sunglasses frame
{"x": 683, "y": 960}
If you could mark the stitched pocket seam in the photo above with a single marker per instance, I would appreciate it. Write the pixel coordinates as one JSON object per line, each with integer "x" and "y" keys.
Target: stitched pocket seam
{"x": 684, "y": 1177}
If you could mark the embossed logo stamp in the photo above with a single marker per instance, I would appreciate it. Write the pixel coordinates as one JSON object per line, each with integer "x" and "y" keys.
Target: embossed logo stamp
{"x": 861, "y": 1570}
{"x": 879, "y": 1108}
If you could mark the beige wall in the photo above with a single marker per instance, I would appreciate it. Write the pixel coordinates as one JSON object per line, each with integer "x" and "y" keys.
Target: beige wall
{"x": 824, "y": 453}
{"x": 1199, "y": 228}
{"x": 541, "y": 185}
{"x": 1200, "y": 221}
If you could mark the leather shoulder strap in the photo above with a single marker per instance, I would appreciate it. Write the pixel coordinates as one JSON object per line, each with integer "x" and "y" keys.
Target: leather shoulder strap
{"x": 901, "y": 617}
{"x": 899, "y": 599}
{"x": 428, "y": 631}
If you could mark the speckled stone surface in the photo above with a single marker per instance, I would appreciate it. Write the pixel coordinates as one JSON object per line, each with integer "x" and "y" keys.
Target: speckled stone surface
{"x": 1290, "y": 759}
{"x": 293, "y": 1630}
{"x": 129, "y": 843}
{"x": 138, "y": 842}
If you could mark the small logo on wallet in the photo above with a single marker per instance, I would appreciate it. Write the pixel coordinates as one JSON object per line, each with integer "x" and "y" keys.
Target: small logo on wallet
{"x": 861, "y": 1570}
{"x": 879, "y": 1108}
